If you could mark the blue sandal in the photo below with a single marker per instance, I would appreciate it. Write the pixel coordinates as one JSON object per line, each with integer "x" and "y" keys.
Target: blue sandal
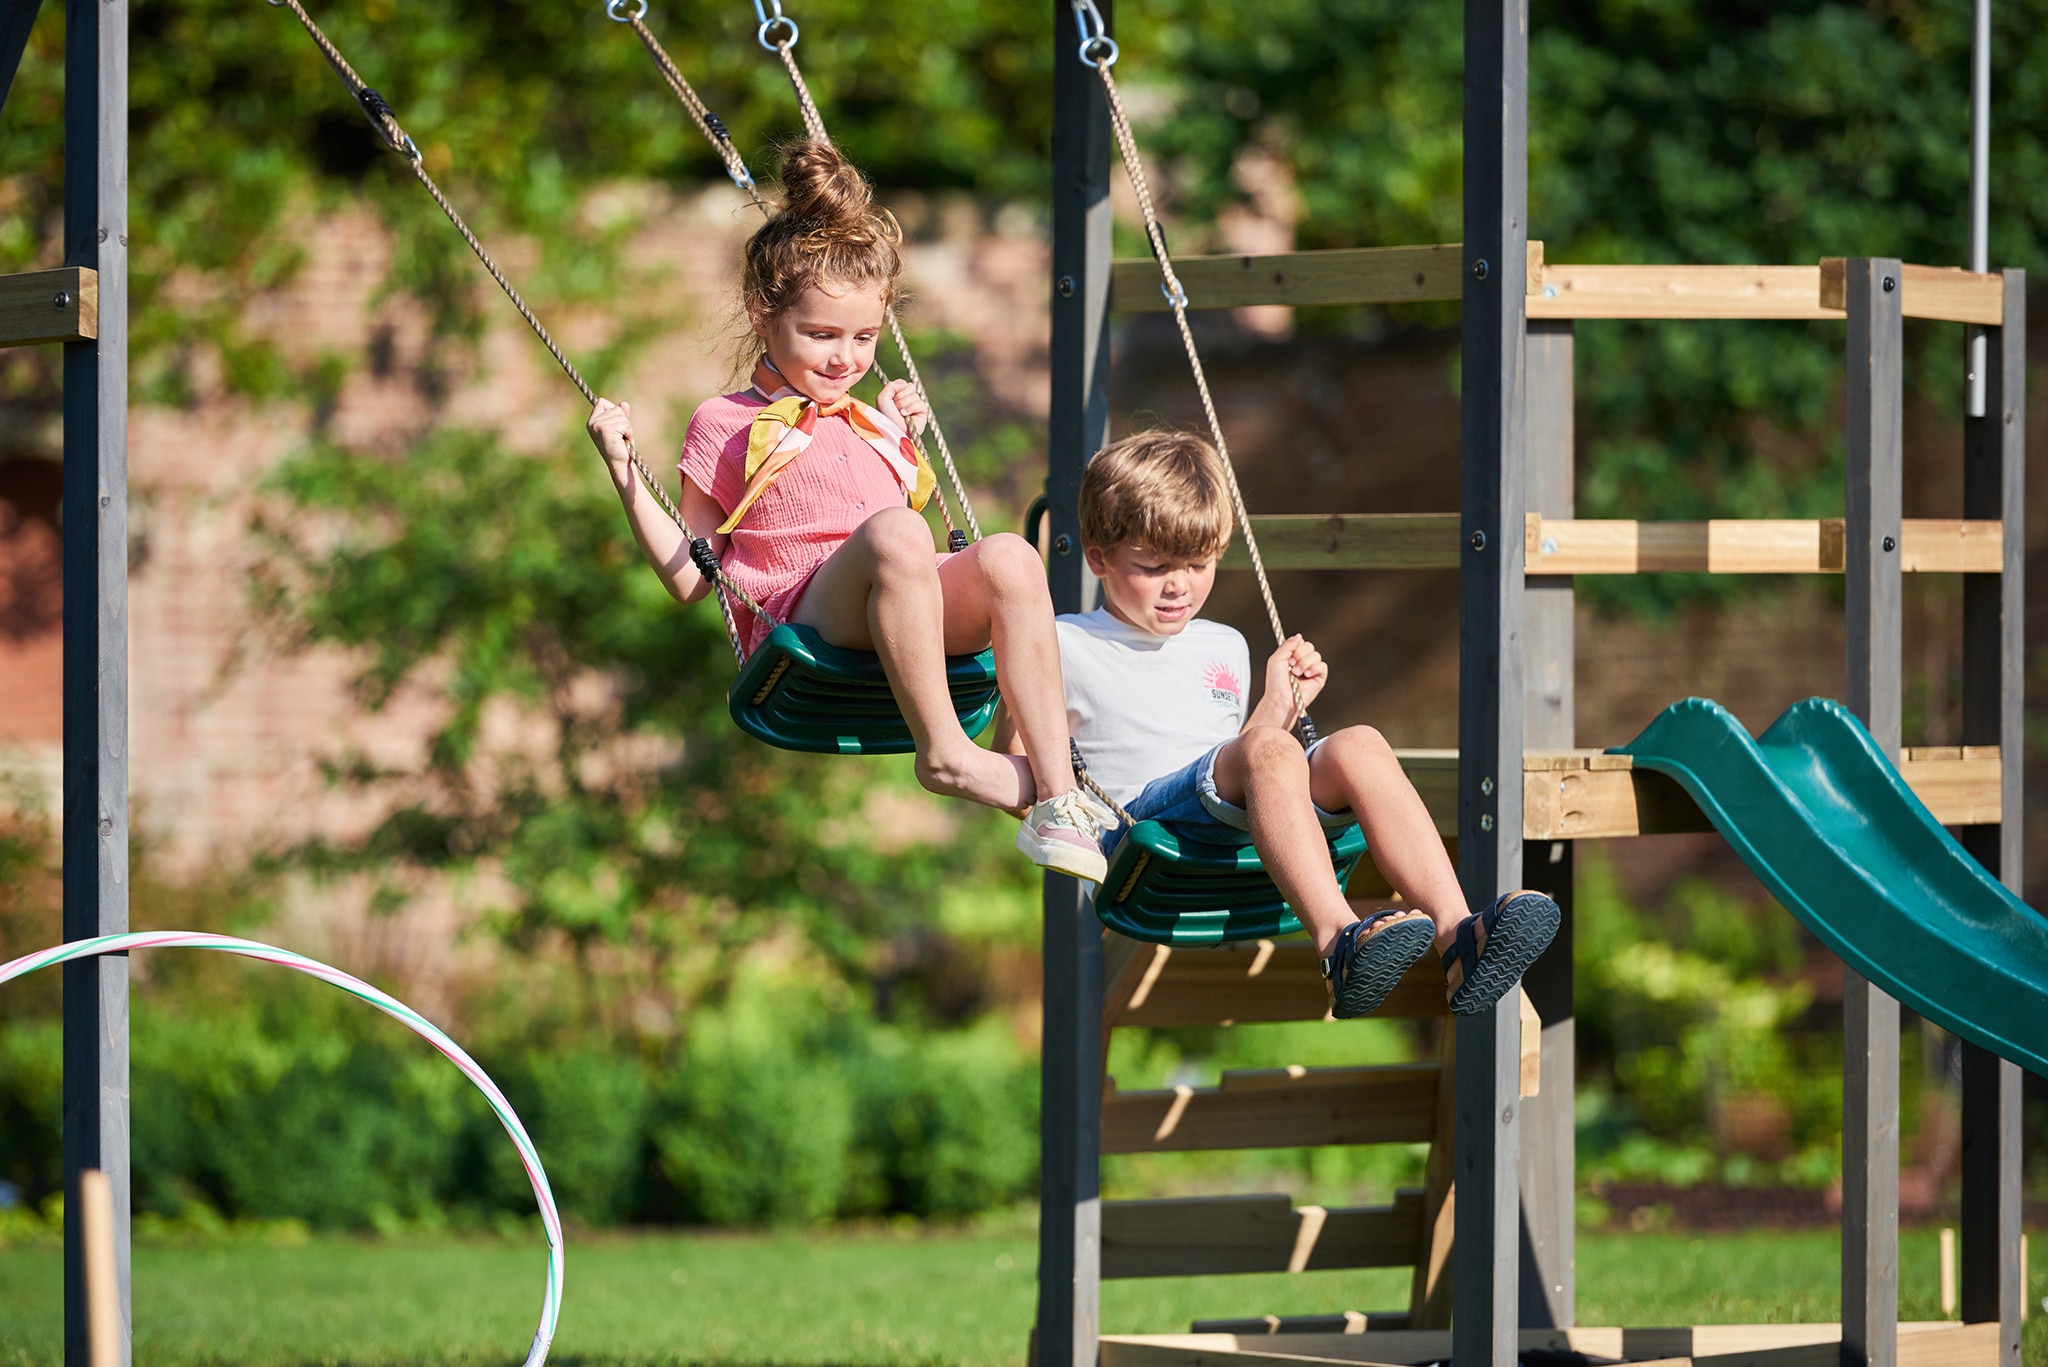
{"x": 1364, "y": 964}
{"x": 1519, "y": 927}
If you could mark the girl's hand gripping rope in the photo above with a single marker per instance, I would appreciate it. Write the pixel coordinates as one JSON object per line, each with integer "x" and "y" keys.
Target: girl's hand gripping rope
{"x": 611, "y": 429}
{"x": 901, "y": 400}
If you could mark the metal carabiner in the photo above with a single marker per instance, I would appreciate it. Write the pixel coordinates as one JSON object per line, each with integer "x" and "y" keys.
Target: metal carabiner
{"x": 774, "y": 22}
{"x": 617, "y": 10}
{"x": 1097, "y": 47}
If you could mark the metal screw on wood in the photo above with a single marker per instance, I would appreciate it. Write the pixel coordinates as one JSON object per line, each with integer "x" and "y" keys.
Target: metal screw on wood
{"x": 62, "y": 301}
{"x": 1486, "y": 786}
{"x": 1478, "y": 541}
{"x": 1066, "y": 287}
{"x": 1891, "y": 543}
{"x": 1479, "y": 269}
{"x": 1062, "y": 544}
{"x": 1890, "y": 284}
{"x": 1486, "y": 823}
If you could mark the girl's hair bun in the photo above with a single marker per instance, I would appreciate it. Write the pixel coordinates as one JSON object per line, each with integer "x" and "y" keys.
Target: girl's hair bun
{"x": 828, "y": 230}
{"x": 823, "y": 190}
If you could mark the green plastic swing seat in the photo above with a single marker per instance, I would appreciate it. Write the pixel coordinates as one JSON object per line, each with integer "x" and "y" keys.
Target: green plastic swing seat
{"x": 1168, "y": 890}
{"x": 798, "y": 693}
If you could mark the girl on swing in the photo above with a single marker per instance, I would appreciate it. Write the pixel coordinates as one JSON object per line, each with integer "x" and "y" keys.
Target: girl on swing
{"x": 814, "y": 496}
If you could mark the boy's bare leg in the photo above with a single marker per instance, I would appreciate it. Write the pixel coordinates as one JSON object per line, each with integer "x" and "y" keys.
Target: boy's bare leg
{"x": 1265, "y": 772}
{"x": 995, "y": 594}
{"x": 1356, "y": 769}
{"x": 880, "y": 591}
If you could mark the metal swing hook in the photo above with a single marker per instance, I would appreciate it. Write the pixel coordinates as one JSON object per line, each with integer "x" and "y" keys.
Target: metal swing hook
{"x": 773, "y": 24}
{"x": 1097, "y": 47}
{"x": 621, "y": 14}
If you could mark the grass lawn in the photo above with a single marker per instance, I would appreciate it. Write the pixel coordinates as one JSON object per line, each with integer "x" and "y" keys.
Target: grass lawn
{"x": 867, "y": 1297}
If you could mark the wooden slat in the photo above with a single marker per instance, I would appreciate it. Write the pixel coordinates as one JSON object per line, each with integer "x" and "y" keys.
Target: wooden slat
{"x": 1277, "y": 1108}
{"x": 1351, "y": 541}
{"x": 1951, "y": 546}
{"x": 1204, "y": 1235}
{"x": 1939, "y": 292}
{"x": 1370, "y": 275}
{"x": 1960, "y": 783}
{"x": 30, "y": 314}
{"x": 1927, "y": 1344}
{"x": 1749, "y": 546}
{"x": 1348, "y": 1322}
{"x": 1259, "y": 981}
{"x": 1705, "y": 292}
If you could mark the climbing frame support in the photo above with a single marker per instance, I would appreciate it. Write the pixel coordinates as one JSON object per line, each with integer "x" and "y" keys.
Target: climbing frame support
{"x": 1070, "y": 1121}
{"x": 96, "y": 647}
{"x": 1994, "y": 657}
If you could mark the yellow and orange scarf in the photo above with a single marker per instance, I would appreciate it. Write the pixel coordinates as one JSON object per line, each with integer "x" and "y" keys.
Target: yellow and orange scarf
{"x": 783, "y": 429}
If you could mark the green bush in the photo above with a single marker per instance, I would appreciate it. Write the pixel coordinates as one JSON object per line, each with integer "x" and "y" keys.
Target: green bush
{"x": 947, "y": 1124}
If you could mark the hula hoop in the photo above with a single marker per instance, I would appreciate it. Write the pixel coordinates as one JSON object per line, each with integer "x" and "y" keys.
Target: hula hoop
{"x": 551, "y": 1219}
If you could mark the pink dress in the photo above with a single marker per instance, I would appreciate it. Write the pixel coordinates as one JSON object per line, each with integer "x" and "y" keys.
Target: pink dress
{"x": 838, "y": 483}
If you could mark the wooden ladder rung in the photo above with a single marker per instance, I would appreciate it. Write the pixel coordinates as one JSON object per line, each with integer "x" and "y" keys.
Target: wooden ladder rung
{"x": 50, "y": 306}
{"x": 1276, "y": 1109}
{"x": 1206, "y": 1235}
{"x": 1257, "y": 981}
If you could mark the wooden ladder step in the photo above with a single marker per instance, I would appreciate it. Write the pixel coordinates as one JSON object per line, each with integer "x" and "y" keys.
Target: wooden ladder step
{"x": 1277, "y": 1108}
{"x": 1257, "y": 981}
{"x": 1349, "y": 1322}
{"x": 1207, "y": 1235}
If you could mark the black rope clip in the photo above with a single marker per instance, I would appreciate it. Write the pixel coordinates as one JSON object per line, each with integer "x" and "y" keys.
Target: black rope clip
{"x": 717, "y": 126}
{"x": 384, "y": 123}
{"x": 705, "y": 559}
{"x": 956, "y": 541}
{"x": 1305, "y": 732}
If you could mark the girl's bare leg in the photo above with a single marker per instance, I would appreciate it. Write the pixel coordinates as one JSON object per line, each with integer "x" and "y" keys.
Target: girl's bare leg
{"x": 1265, "y": 772}
{"x": 995, "y": 594}
{"x": 1356, "y": 769}
{"x": 880, "y": 591}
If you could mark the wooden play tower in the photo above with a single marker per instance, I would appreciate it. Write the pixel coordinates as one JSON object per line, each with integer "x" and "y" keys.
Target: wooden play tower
{"x": 1490, "y": 1234}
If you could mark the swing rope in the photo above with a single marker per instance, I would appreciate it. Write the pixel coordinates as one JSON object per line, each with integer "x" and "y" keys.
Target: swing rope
{"x": 1099, "y": 51}
{"x": 385, "y": 124}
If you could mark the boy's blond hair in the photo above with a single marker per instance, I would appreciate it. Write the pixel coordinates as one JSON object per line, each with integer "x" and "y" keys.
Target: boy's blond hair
{"x": 1166, "y": 491}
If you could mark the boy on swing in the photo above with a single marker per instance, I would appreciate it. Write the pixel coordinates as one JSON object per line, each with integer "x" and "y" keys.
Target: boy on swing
{"x": 1159, "y": 704}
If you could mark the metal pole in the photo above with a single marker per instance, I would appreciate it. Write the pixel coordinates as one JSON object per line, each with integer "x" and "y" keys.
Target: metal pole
{"x": 1870, "y": 1048}
{"x": 96, "y": 645}
{"x": 1980, "y": 186}
{"x": 1487, "y": 1249}
{"x": 1070, "y": 1079}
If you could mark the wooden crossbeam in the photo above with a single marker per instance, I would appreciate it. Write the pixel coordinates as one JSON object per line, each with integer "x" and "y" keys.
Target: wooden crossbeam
{"x": 1241, "y": 984}
{"x": 50, "y": 306}
{"x": 1277, "y": 1108}
{"x": 1555, "y": 546}
{"x": 1204, "y": 1235}
{"x": 1370, "y": 275}
{"x": 1939, "y": 292}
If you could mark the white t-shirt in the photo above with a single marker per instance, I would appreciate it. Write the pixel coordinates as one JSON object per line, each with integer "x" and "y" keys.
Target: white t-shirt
{"x": 1141, "y": 706}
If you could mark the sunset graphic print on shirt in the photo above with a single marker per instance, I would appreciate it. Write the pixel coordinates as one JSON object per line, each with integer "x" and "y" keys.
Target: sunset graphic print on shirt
{"x": 1224, "y": 686}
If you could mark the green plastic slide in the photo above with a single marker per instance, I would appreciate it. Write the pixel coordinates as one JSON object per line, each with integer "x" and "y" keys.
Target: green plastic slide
{"x": 1829, "y": 826}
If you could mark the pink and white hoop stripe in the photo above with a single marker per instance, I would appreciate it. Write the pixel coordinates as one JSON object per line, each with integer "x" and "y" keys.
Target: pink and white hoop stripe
{"x": 551, "y": 1219}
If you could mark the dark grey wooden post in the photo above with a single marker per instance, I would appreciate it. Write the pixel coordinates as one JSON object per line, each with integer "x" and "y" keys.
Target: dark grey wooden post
{"x": 1870, "y": 1062}
{"x": 17, "y": 17}
{"x": 96, "y": 642}
{"x": 1548, "y": 1150}
{"x": 1994, "y": 674}
{"x": 1487, "y": 1235}
{"x": 1070, "y": 1124}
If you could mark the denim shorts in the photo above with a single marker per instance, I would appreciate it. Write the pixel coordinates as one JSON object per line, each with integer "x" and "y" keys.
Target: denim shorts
{"x": 1186, "y": 802}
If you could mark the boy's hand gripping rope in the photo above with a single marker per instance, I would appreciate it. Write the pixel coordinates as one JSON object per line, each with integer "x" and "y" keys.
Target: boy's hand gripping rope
{"x": 385, "y": 124}
{"x": 1099, "y": 50}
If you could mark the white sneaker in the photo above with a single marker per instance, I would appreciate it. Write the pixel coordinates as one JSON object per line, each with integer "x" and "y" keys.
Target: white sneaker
{"x": 1065, "y": 833}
